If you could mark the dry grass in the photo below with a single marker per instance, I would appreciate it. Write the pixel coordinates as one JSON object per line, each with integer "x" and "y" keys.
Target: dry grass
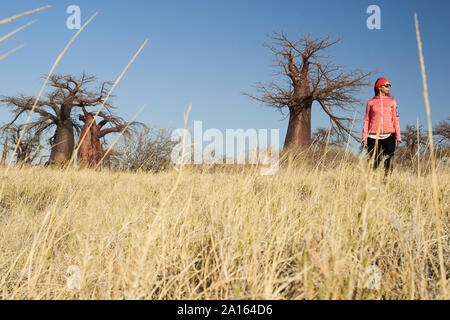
{"x": 307, "y": 232}
{"x": 17, "y": 16}
{"x": 16, "y": 30}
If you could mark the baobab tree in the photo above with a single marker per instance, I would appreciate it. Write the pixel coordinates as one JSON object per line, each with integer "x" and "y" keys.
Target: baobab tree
{"x": 90, "y": 150}
{"x": 55, "y": 110}
{"x": 311, "y": 78}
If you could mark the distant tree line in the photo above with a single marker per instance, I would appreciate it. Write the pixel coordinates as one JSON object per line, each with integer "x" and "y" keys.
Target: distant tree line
{"x": 65, "y": 119}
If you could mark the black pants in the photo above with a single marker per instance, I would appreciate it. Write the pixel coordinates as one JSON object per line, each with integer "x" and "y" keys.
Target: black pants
{"x": 382, "y": 147}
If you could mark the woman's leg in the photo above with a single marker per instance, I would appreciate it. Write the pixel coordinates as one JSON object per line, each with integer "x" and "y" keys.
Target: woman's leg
{"x": 388, "y": 150}
{"x": 374, "y": 147}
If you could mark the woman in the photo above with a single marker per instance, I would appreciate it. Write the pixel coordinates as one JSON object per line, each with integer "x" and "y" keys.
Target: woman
{"x": 382, "y": 117}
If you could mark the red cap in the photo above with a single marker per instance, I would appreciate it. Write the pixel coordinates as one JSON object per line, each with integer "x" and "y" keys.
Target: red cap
{"x": 380, "y": 82}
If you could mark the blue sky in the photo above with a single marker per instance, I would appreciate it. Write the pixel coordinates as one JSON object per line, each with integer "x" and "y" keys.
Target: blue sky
{"x": 206, "y": 53}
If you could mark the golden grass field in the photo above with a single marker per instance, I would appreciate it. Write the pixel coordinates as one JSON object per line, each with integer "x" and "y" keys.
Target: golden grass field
{"x": 308, "y": 232}
{"x": 314, "y": 230}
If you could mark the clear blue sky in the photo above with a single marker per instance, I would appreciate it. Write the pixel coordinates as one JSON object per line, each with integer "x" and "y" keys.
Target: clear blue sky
{"x": 208, "y": 52}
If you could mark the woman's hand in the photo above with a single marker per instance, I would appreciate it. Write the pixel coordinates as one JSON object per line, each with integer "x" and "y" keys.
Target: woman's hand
{"x": 398, "y": 141}
{"x": 365, "y": 142}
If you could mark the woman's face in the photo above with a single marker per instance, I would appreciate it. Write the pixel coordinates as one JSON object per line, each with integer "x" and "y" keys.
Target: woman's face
{"x": 385, "y": 88}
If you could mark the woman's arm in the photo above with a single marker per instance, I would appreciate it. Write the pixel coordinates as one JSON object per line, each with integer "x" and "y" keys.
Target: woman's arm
{"x": 396, "y": 122}
{"x": 366, "y": 122}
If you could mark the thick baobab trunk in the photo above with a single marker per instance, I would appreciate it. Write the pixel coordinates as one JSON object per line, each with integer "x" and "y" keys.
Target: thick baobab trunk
{"x": 299, "y": 129}
{"x": 63, "y": 144}
{"x": 64, "y": 140}
{"x": 84, "y": 156}
{"x": 90, "y": 151}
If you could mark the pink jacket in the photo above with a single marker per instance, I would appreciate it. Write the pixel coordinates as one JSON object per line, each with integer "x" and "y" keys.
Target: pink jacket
{"x": 381, "y": 111}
